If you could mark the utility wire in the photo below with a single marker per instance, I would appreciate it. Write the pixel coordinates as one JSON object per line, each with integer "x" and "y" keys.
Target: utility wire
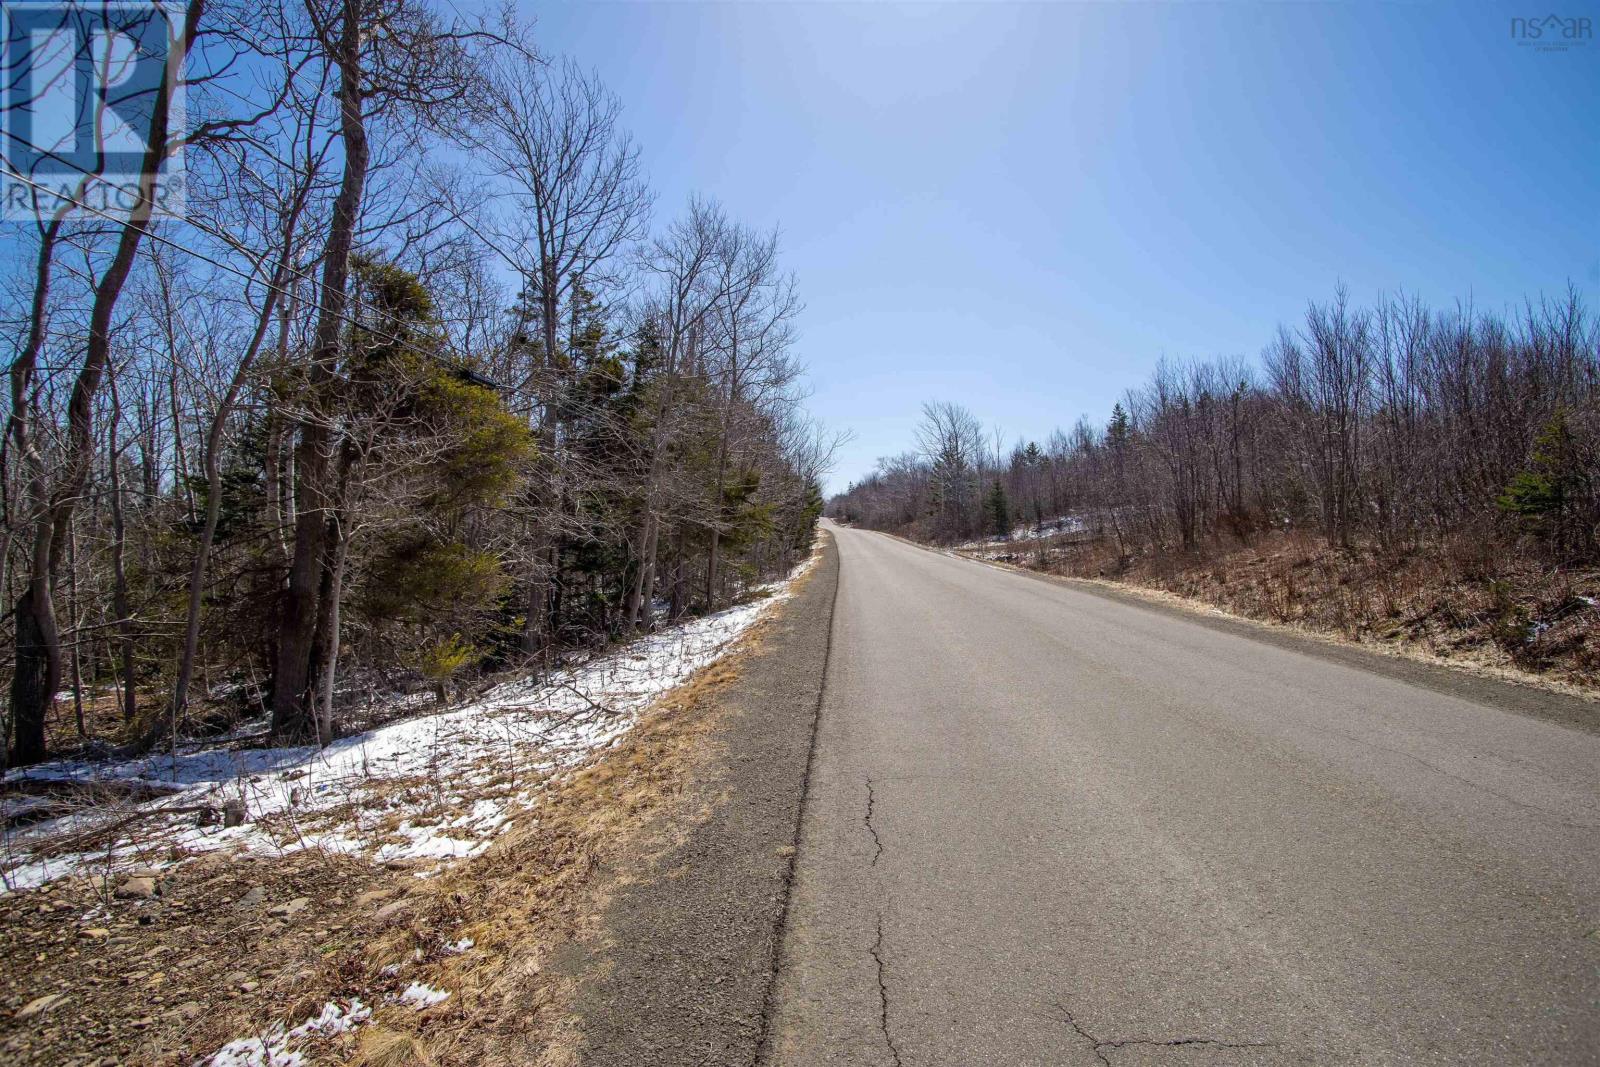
{"x": 154, "y": 236}
{"x": 225, "y": 238}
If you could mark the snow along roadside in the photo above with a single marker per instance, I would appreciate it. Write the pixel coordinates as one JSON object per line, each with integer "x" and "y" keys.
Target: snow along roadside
{"x": 435, "y": 788}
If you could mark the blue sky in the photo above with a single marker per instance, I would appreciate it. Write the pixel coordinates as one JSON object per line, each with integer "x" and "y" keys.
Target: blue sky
{"x": 1023, "y": 207}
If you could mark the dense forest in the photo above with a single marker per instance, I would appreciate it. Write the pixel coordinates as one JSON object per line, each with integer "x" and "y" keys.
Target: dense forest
{"x": 421, "y": 384}
{"x": 1393, "y": 436}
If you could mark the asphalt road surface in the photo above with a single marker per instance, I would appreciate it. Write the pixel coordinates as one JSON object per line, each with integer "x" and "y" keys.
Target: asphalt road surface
{"x": 1045, "y": 826}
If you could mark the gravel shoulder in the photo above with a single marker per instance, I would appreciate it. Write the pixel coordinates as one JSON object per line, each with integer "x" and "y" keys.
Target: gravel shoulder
{"x": 683, "y": 965}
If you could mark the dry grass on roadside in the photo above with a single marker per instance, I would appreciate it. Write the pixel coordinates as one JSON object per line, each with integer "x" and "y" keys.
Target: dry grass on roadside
{"x": 531, "y": 905}
{"x": 212, "y": 958}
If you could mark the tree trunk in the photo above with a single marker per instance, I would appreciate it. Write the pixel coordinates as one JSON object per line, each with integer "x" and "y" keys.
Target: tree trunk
{"x": 37, "y": 671}
{"x": 293, "y": 674}
{"x": 644, "y": 574}
{"x": 536, "y": 632}
{"x": 647, "y": 579}
{"x": 327, "y": 725}
{"x": 31, "y": 708}
{"x": 680, "y": 580}
{"x": 72, "y": 625}
{"x": 538, "y": 605}
{"x": 119, "y": 571}
{"x": 37, "y": 677}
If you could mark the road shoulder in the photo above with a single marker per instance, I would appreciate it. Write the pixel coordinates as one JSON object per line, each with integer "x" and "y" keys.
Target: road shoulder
{"x": 682, "y": 966}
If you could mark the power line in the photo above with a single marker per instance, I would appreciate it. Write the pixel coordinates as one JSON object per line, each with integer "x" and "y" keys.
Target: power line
{"x": 296, "y": 75}
{"x": 225, "y": 238}
{"x": 282, "y": 292}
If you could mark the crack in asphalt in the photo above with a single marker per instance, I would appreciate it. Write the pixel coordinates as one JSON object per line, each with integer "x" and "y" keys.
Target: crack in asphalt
{"x": 872, "y": 799}
{"x": 1176, "y": 1042}
{"x": 1099, "y": 1046}
{"x": 883, "y": 995}
{"x": 877, "y": 944}
{"x": 1094, "y": 1042}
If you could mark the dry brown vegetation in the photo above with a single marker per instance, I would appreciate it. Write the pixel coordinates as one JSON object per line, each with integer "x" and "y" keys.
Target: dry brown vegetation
{"x": 231, "y": 946}
{"x": 1460, "y": 601}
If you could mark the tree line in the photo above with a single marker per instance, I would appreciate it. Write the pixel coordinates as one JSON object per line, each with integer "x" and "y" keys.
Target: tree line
{"x": 419, "y": 384}
{"x": 1395, "y": 425}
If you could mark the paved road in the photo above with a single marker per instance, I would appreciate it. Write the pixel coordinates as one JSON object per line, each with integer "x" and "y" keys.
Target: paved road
{"x": 1048, "y": 827}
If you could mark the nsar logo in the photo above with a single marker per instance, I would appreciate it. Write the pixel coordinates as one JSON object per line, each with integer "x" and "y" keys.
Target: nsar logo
{"x": 1552, "y": 33}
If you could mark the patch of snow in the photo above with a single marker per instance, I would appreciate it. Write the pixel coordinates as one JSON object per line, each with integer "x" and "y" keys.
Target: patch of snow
{"x": 455, "y": 948}
{"x": 273, "y": 1049}
{"x": 255, "y": 1052}
{"x": 1064, "y": 524}
{"x": 333, "y": 1020}
{"x": 421, "y": 995}
{"x": 435, "y": 787}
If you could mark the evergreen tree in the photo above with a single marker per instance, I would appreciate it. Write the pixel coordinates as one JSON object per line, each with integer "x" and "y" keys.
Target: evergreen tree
{"x": 1119, "y": 429}
{"x": 998, "y": 511}
{"x": 1540, "y": 495}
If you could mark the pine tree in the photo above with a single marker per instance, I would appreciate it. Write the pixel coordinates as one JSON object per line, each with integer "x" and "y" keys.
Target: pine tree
{"x": 1540, "y": 495}
{"x": 998, "y": 511}
{"x": 1119, "y": 429}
